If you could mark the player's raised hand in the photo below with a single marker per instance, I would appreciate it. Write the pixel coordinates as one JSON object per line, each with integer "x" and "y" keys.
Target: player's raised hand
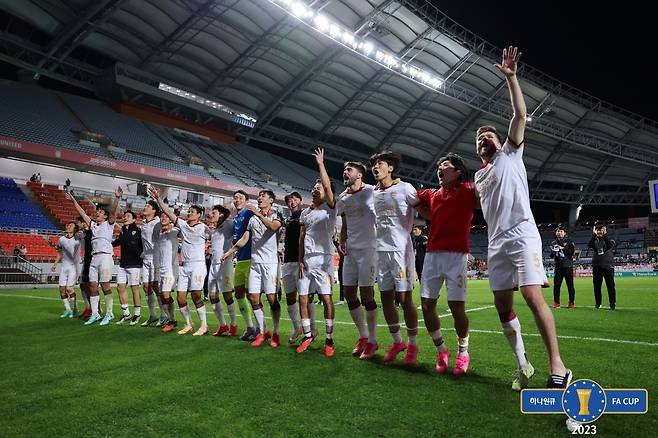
{"x": 319, "y": 155}
{"x": 118, "y": 192}
{"x": 510, "y": 61}
{"x": 155, "y": 194}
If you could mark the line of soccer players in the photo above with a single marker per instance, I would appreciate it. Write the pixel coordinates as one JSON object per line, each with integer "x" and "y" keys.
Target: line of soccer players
{"x": 375, "y": 240}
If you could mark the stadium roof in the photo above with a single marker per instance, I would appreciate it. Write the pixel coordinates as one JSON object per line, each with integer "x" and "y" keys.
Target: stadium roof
{"x": 309, "y": 82}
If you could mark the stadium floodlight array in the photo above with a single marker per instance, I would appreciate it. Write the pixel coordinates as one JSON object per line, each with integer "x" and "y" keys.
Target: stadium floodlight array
{"x": 323, "y": 24}
{"x": 205, "y": 101}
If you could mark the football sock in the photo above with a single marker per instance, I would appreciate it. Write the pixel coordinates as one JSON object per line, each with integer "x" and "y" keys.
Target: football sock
{"x": 462, "y": 344}
{"x": 512, "y": 331}
{"x": 245, "y": 310}
{"x": 329, "y": 325}
{"x": 395, "y": 333}
{"x": 293, "y": 311}
{"x": 186, "y": 314}
{"x": 359, "y": 320}
{"x": 219, "y": 312}
{"x": 232, "y": 314}
{"x": 260, "y": 319}
{"x": 437, "y": 338}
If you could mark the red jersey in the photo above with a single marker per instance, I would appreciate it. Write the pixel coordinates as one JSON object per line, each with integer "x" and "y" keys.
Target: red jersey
{"x": 451, "y": 215}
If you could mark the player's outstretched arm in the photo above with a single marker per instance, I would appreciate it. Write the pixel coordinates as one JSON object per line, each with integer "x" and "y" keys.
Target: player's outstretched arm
{"x": 85, "y": 217}
{"x": 324, "y": 178}
{"x": 155, "y": 194}
{"x": 235, "y": 248}
{"x": 509, "y": 66}
{"x": 118, "y": 193}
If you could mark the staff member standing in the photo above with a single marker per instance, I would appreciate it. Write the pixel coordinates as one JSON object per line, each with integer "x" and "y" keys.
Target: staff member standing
{"x": 562, "y": 250}
{"x": 603, "y": 264}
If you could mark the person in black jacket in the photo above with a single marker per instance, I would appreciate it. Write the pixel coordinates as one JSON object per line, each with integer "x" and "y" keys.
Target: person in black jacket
{"x": 130, "y": 267}
{"x": 603, "y": 264}
{"x": 420, "y": 245}
{"x": 562, "y": 250}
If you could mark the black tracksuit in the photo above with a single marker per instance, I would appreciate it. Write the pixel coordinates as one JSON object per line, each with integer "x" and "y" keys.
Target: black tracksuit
{"x": 603, "y": 267}
{"x": 562, "y": 251}
{"x": 130, "y": 241}
{"x": 420, "y": 246}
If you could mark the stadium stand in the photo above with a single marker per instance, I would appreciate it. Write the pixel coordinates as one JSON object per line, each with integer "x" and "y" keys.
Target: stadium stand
{"x": 38, "y": 248}
{"x": 54, "y": 200}
{"x": 17, "y": 211}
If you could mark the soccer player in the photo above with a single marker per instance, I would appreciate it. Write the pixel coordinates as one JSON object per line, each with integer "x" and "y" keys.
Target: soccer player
{"x": 358, "y": 239}
{"x": 220, "y": 275}
{"x": 263, "y": 273}
{"x": 394, "y": 206}
{"x": 130, "y": 266}
{"x": 243, "y": 261}
{"x": 316, "y": 249}
{"x": 514, "y": 241}
{"x": 450, "y": 210}
{"x": 562, "y": 251}
{"x": 167, "y": 253}
{"x": 68, "y": 252}
{"x": 100, "y": 269}
{"x": 290, "y": 268}
{"x": 150, "y": 276}
{"x": 193, "y": 271}
{"x": 85, "y": 237}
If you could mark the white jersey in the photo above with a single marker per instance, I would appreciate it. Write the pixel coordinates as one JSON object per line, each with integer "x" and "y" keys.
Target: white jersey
{"x": 221, "y": 240}
{"x": 167, "y": 247}
{"x": 69, "y": 248}
{"x": 193, "y": 248}
{"x": 101, "y": 237}
{"x": 359, "y": 210}
{"x": 150, "y": 232}
{"x": 395, "y": 215}
{"x": 319, "y": 226}
{"x": 503, "y": 188}
{"x": 264, "y": 242}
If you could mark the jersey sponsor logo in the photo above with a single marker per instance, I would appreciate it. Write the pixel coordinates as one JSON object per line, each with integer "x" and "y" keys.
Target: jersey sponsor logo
{"x": 485, "y": 178}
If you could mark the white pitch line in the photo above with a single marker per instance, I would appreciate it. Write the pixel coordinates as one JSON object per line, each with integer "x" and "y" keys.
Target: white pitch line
{"x": 489, "y": 332}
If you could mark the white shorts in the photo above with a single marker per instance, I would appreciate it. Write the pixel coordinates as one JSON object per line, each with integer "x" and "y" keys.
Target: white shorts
{"x": 100, "y": 269}
{"x": 448, "y": 266}
{"x": 191, "y": 276}
{"x": 395, "y": 270}
{"x": 150, "y": 271}
{"x": 318, "y": 275}
{"x": 68, "y": 275}
{"x": 359, "y": 267}
{"x": 290, "y": 276}
{"x": 220, "y": 277}
{"x": 167, "y": 279}
{"x": 263, "y": 278}
{"x": 517, "y": 250}
{"x": 129, "y": 276}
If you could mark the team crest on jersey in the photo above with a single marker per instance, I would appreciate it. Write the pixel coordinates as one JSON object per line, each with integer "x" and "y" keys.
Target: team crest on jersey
{"x": 537, "y": 259}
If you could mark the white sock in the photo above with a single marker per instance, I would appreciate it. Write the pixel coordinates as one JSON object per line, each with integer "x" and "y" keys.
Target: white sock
{"x": 395, "y": 333}
{"x": 260, "y": 319}
{"x": 293, "y": 311}
{"x": 437, "y": 338}
{"x": 412, "y": 333}
{"x": 311, "y": 315}
{"x": 202, "y": 316}
{"x": 73, "y": 304}
{"x": 151, "y": 299}
{"x": 306, "y": 326}
{"x": 329, "y": 326}
{"x": 186, "y": 314}
{"x": 462, "y": 345}
{"x": 232, "y": 314}
{"x": 161, "y": 306}
{"x": 512, "y": 331}
{"x": 137, "y": 310}
{"x": 67, "y": 306}
{"x": 245, "y": 310}
{"x": 219, "y": 312}
{"x": 359, "y": 320}
{"x": 124, "y": 310}
{"x": 371, "y": 317}
{"x": 93, "y": 302}
{"x": 109, "y": 302}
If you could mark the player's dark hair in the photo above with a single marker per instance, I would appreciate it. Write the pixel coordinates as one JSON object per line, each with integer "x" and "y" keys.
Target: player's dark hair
{"x": 458, "y": 163}
{"x": 269, "y": 193}
{"x": 357, "y": 165}
{"x": 488, "y": 128}
{"x": 154, "y": 205}
{"x": 199, "y": 209}
{"x": 331, "y": 184}
{"x": 293, "y": 195}
{"x": 222, "y": 210}
{"x": 243, "y": 193}
{"x": 389, "y": 157}
{"x": 104, "y": 210}
{"x": 130, "y": 213}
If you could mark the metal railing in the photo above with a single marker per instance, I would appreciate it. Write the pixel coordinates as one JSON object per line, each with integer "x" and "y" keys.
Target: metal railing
{"x": 15, "y": 269}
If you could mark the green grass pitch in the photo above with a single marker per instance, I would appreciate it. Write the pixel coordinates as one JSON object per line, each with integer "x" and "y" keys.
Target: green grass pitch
{"x": 60, "y": 378}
